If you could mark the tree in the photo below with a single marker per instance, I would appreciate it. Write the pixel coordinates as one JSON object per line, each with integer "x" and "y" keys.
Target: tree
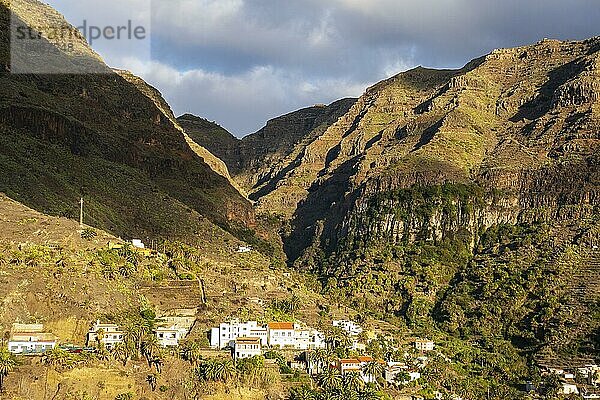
{"x": 330, "y": 379}
{"x": 216, "y": 371}
{"x": 302, "y": 393}
{"x": 353, "y": 381}
{"x": 158, "y": 364}
{"x": 122, "y": 352}
{"x": 553, "y": 385}
{"x": 402, "y": 378}
{"x": 57, "y": 357}
{"x": 152, "y": 380}
{"x": 294, "y": 304}
{"x": 369, "y": 393}
{"x": 192, "y": 353}
{"x": 373, "y": 370}
{"x": 7, "y": 365}
{"x": 151, "y": 347}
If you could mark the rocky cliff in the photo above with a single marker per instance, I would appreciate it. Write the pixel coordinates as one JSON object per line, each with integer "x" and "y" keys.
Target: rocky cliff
{"x": 107, "y": 136}
{"x": 258, "y": 161}
{"x": 391, "y": 204}
{"x": 522, "y": 124}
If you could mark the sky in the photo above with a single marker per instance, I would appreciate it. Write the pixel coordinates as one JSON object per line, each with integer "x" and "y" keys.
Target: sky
{"x": 242, "y": 62}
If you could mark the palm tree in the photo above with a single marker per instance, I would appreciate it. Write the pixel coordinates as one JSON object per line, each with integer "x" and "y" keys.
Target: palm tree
{"x": 121, "y": 352}
{"x": 302, "y": 393}
{"x": 353, "y": 381}
{"x": 368, "y": 393}
{"x": 101, "y": 353}
{"x": 152, "y": 379}
{"x": 191, "y": 353}
{"x": 322, "y": 358}
{"x": 99, "y": 336}
{"x": 311, "y": 360}
{"x": 330, "y": 379}
{"x": 134, "y": 333}
{"x": 158, "y": 363}
{"x": 402, "y": 378}
{"x": 336, "y": 395}
{"x": 225, "y": 371}
{"x": 150, "y": 347}
{"x": 57, "y": 357}
{"x": 373, "y": 370}
{"x": 294, "y": 304}
{"x": 7, "y": 365}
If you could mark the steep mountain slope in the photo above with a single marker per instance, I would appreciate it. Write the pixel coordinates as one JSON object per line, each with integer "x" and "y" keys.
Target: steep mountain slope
{"x": 49, "y": 274}
{"x": 396, "y": 204}
{"x": 214, "y": 137}
{"x": 506, "y": 119}
{"x": 110, "y": 138}
{"x": 258, "y": 161}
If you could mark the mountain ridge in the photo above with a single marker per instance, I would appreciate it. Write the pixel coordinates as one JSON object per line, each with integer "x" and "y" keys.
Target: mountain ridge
{"x": 112, "y": 139}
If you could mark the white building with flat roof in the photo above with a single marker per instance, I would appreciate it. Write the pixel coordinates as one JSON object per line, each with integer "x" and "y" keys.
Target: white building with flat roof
{"x": 31, "y": 342}
{"x": 246, "y": 347}
{"x": 351, "y": 327}
{"x": 424, "y": 345}
{"x": 107, "y": 334}
{"x": 227, "y": 332}
{"x": 169, "y": 336}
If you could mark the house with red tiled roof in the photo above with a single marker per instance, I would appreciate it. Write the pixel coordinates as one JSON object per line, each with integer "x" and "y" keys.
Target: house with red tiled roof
{"x": 282, "y": 335}
{"x": 346, "y": 365}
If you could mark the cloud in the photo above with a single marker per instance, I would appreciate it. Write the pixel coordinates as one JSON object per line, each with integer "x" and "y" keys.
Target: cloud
{"x": 254, "y": 96}
{"x": 258, "y": 58}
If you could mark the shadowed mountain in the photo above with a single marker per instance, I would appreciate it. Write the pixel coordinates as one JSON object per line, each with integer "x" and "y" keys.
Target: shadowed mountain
{"x": 106, "y": 136}
{"x": 258, "y": 160}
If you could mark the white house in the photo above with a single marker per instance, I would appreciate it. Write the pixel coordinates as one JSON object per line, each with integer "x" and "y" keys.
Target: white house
{"x": 569, "y": 388}
{"x": 246, "y": 347}
{"x": 107, "y": 334}
{"x": 590, "y": 373}
{"x": 244, "y": 249}
{"x": 347, "y": 365}
{"x": 424, "y": 345}
{"x": 137, "y": 243}
{"x": 30, "y": 339}
{"x": 590, "y": 396}
{"x": 215, "y": 338}
{"x": 169, "y": 336}
{"x": 393, "y": 369}
{"x": 282, "y": 335}
{"x": 317, "y": 340}
{"x": 227, "y": 332}
{"x": 352, "y": 328}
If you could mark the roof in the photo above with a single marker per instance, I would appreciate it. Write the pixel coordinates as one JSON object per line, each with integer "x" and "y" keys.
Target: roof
{"x": 247, "y": 340}
{"x": 282, "y": 326}
{"x": 349, "y": 361}
{"x": 365, "y": 359}
{"x": 32, "y": 337}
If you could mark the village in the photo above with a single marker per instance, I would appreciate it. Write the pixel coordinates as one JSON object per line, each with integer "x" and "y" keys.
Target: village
{"x": 298, "y": 346}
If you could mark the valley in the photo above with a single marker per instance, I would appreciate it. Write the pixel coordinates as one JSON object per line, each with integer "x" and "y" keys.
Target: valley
{"x": 436, "y": 238}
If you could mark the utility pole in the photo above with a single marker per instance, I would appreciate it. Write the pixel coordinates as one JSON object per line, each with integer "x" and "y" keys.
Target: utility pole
{"x": 81, "y": 213}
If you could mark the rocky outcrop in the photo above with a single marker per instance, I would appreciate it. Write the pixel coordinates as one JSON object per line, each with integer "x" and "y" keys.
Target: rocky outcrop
{"x": 520, "y": 124}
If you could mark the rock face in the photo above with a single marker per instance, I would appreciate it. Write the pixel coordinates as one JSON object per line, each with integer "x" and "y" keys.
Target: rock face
{"x": 110, "y": 137}
{"x": 522, "y": 124}
{"x": 258, "y": 161}
{"x": 393, "y": 200}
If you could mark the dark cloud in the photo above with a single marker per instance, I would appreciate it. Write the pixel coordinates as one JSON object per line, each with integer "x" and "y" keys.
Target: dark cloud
{"x": 242, "y": 61}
